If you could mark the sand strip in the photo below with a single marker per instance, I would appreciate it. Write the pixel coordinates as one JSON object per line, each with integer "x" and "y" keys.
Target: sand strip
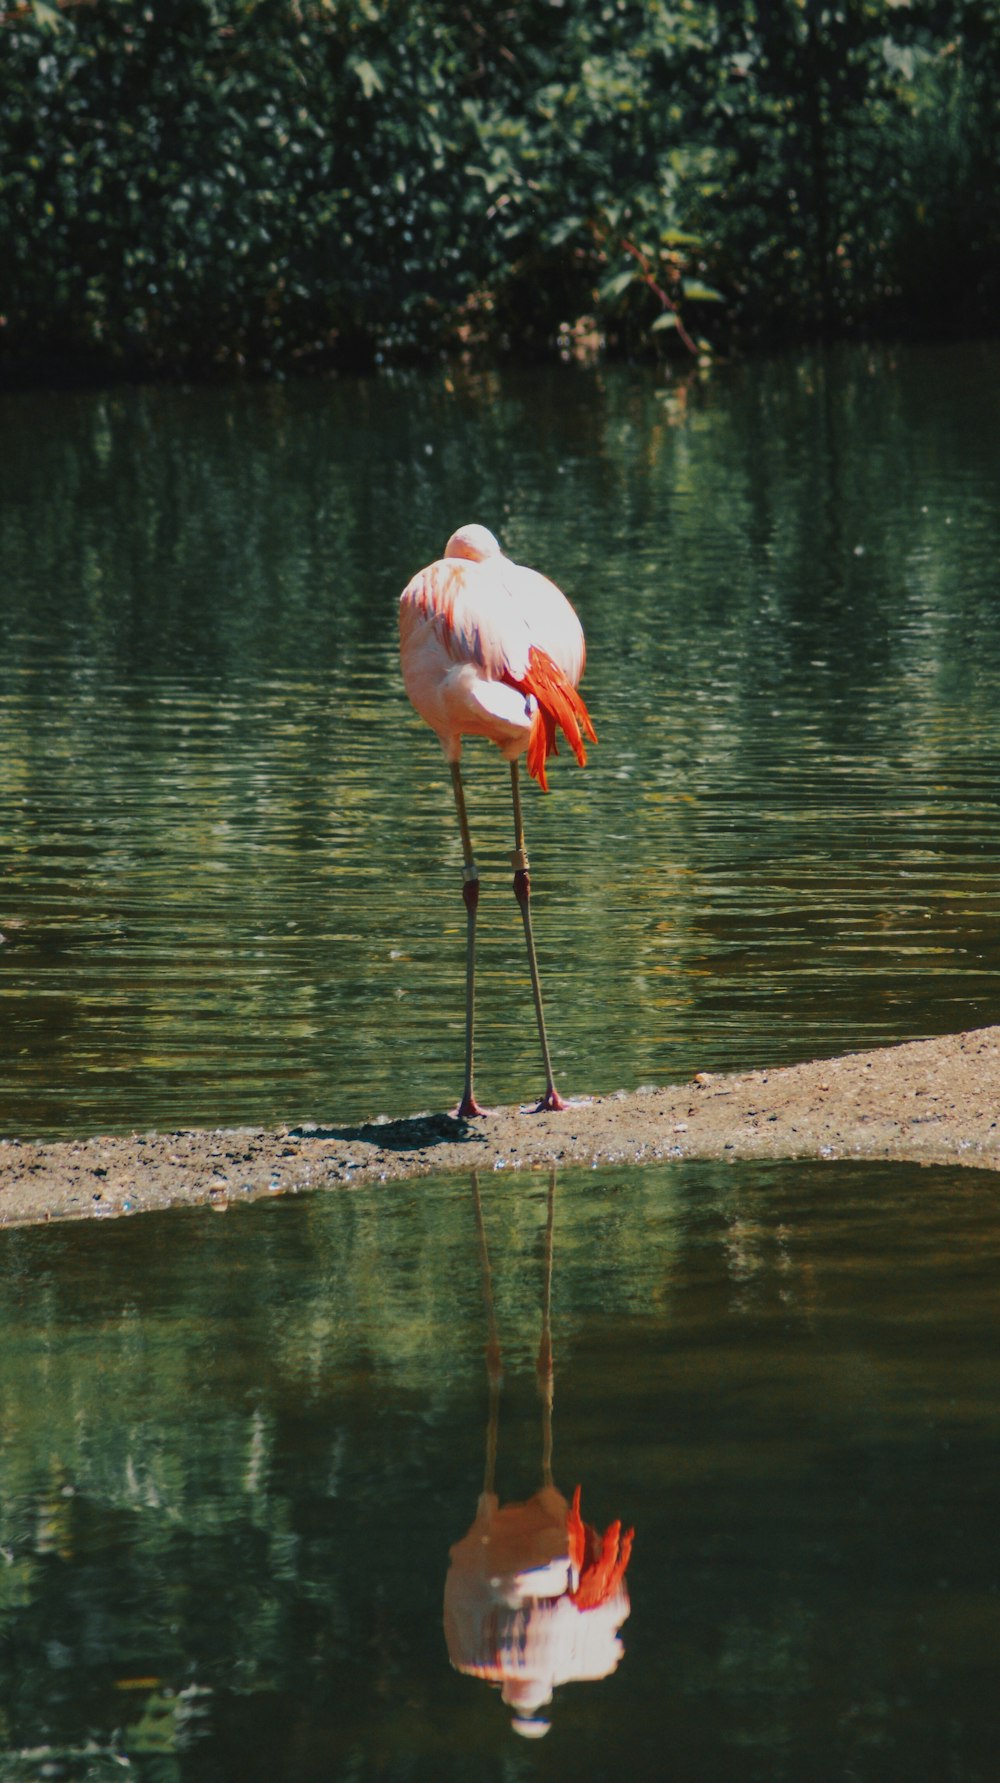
{"x": 931, "y": 1101}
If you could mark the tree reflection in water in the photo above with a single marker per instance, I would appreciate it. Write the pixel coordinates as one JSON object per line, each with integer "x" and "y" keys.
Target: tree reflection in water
{"x": 534, "y": 1596}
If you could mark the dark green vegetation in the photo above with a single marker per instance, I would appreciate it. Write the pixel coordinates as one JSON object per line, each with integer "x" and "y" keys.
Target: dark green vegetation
{"x": 275, "y": 183}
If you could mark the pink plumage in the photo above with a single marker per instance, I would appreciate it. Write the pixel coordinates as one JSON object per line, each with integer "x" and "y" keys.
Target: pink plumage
{"x": 492, "y": 649}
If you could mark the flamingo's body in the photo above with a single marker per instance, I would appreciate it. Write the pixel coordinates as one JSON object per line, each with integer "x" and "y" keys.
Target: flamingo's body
{"x": 492, "y": 649}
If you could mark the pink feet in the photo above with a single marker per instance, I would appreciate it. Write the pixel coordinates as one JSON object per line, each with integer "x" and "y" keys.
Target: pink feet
{"x": 551, "y": 1102}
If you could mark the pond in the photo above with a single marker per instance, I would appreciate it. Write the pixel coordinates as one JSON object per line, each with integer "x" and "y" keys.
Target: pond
{"x": 230, "y": 886}
{"x": 242, "y": 1457}
{"x": 247, "y": 1458}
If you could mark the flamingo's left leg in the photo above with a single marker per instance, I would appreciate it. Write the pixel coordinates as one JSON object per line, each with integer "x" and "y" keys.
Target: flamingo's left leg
{"x": 522, "y": 892}
{"x": 470, "y": 892}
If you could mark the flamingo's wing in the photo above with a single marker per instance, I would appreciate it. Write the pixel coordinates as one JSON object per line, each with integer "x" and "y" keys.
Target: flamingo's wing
{"x": 472, "y": 614}
{"x": 555, "y": 664}
{"x": 552, "y": 622}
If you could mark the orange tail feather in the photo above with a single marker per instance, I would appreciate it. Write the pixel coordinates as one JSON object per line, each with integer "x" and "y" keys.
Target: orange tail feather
{"x": 558, "y": 704}
{"x": 601, "y": 1561}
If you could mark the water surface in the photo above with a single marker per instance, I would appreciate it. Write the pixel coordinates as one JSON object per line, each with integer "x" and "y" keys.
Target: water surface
{"x": 237, "y": 1449}
{"x": 230, "y": 880}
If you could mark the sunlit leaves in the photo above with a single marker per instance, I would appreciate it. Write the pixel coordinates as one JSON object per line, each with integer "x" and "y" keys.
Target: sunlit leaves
{"x": 279, "y": 183}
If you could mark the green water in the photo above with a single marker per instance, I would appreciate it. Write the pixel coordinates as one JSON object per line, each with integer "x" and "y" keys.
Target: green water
{"x": 236, "y": 1450}
{"x": 229, "y": 868}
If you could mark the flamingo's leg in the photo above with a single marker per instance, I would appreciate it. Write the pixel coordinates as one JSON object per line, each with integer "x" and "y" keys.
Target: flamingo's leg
{"x": 522, "y": 892}
{"x": 470, "y": 892}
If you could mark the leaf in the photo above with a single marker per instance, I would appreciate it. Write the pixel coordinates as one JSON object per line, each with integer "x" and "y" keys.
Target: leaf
{"x": 368, "y": 75}
{"x": 47, "y": 16}
{"x": 667, "y": 320}
{"x": 699, "y": 293}
{"x": 563, "y": 230}
{"x": 616, "y": 286}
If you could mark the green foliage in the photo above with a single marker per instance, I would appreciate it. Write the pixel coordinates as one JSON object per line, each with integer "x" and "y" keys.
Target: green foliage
{"x": 277, "y": 182}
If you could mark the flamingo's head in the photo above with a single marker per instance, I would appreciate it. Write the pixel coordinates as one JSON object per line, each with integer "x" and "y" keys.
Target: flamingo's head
{"x": 473, "y": 542}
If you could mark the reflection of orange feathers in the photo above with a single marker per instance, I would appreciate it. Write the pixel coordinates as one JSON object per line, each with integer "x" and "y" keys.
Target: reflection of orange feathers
{"x": 558, "y": 704}
{"x": 600, "y": 1561}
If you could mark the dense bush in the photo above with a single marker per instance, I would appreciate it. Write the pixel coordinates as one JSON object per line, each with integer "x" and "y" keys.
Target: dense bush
{"x": 193, "y": 182}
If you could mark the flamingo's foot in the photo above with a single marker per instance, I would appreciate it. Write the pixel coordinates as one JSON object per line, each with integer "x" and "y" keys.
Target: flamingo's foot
{"x": 550, "y": 1103}
{"x": 468, "y": 1107}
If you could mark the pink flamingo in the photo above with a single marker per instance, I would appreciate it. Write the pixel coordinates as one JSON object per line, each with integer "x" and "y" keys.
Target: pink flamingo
{"x": 492, "y": 649}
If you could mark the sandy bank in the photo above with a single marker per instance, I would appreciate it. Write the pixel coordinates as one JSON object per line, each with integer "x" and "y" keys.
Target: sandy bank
{"x": 932, "y": 1101}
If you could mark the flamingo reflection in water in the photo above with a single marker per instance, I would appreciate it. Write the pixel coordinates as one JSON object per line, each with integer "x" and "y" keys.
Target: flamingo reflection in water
{"x": 534, "y": 1596}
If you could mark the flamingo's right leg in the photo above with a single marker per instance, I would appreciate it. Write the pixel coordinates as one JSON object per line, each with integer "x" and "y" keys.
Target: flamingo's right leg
{"x": 470, "y": 892}
{"x": 522, "y": 892}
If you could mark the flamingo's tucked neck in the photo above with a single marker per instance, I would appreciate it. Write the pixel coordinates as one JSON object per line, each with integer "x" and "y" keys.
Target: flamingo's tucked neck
{"x": 472, "y": 542}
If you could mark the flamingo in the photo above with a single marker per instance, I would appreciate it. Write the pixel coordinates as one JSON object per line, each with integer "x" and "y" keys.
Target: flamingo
{"x": 491, "y": 649}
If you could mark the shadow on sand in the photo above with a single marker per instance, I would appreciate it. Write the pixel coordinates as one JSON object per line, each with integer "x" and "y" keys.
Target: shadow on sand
{"x": 399, "y": 1136}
